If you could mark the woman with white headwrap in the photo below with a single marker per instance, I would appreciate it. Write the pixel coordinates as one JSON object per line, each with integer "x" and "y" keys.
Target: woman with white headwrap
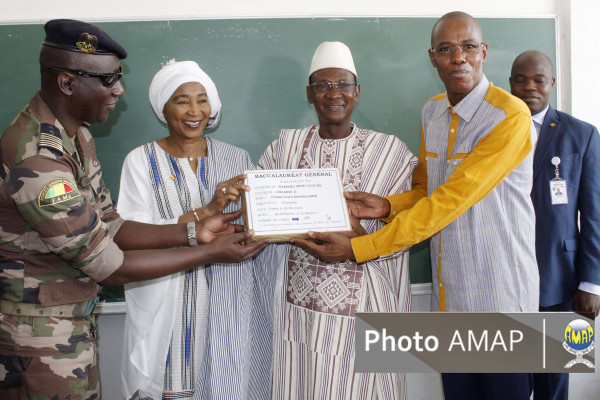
{"x": 191, "y": 330}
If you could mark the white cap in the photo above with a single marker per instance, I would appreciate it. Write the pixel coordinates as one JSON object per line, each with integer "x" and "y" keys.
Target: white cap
{"x": 332, "y": 55}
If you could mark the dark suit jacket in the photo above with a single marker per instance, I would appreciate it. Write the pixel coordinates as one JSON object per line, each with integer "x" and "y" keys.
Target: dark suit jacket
{"x": 566, "y": 254}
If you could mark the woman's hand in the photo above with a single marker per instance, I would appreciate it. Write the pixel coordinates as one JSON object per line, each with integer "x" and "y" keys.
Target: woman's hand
{"x": 226, "y": 192}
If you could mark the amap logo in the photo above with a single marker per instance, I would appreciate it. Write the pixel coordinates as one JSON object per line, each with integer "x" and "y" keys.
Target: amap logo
{"x": 579, "y": 340}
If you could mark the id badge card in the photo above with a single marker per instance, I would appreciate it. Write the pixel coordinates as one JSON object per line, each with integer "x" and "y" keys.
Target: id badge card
{"x": 558, "y": 191}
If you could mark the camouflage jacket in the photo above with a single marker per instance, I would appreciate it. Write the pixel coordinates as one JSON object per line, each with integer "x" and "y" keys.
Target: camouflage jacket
{"x": 57, "y": 220}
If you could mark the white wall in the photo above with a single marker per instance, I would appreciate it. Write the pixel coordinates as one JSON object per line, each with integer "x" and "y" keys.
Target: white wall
{"x": 585, "y": 17}
{"x": 41, "y": 10}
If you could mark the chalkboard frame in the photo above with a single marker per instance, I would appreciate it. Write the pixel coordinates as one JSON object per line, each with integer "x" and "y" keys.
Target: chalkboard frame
{"x": 260, "y": 68}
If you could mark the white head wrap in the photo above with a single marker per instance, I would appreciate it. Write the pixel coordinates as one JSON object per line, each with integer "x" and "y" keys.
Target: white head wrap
{"x": 332, "y": 55}
{"x": 174, "y": 74}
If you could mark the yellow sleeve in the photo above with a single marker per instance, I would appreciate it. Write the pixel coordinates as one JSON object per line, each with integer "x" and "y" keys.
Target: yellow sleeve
{"x": 491, "y": 160}
{"x": 406, "y": 200}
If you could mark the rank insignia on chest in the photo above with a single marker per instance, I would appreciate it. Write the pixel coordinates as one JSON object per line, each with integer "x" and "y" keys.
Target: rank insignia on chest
{"x": 57, "y": 191}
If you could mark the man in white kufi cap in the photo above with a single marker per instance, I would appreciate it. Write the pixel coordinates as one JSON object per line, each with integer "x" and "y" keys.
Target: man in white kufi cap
{"x": 332, "y": 55}
{"x": 309, "y": 360}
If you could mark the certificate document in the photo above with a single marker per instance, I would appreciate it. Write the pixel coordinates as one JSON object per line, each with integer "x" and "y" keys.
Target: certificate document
{"x": 286, "y": 203}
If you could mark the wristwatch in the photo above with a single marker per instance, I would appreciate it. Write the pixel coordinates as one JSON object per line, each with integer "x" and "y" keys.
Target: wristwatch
{"x": 191, "y": 231}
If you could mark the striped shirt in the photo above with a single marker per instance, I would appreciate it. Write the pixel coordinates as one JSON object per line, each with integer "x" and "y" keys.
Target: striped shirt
{"x": 471, "y": 197}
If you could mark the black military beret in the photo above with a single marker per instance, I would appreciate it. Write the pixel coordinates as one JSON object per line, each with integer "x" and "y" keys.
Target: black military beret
{"x": 79, "y": 36}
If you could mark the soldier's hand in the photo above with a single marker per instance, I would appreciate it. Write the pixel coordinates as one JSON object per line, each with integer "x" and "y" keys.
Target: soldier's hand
{"x": 234, "y": 247}
{"x": 328, "y": 246}
{"x": 367, "y": 205}
{"x": 209, "y": 228}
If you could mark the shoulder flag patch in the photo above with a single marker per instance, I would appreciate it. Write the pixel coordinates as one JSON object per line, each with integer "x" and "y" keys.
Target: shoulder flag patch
{"x": 58, "y": 191}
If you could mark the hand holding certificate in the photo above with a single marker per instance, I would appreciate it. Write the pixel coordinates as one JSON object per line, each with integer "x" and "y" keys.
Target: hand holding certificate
{"x": 283, "y": 204}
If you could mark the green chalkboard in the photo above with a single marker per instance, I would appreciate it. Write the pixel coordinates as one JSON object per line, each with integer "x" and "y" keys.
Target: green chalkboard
{"x": 260, "y": 67}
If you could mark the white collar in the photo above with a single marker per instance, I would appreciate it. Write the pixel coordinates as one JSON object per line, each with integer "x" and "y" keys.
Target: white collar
{"x": 539, "y": 117}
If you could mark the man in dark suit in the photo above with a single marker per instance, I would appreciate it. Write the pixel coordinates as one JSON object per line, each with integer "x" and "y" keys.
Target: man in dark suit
{"x": 566, "y": 190}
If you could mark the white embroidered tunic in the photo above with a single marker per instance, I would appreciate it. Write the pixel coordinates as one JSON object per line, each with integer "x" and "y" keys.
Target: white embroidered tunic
{"x": 314, "y": 322}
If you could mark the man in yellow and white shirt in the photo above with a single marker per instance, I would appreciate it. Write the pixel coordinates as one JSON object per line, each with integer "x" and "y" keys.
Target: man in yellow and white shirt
{"x": 471, "y": 195}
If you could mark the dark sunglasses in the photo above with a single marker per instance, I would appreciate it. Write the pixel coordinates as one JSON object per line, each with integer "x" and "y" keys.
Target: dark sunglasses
{"x": 108, "y": 80}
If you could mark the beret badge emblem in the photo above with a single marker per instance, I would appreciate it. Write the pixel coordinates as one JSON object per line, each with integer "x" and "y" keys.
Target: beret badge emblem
{"x": 87, "y": 43}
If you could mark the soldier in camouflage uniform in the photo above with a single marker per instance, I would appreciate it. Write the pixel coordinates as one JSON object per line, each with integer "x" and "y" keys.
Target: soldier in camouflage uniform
{"x": 60, "y": 235}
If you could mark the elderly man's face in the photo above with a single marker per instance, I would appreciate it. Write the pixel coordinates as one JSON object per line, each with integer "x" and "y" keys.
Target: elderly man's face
{"x": 460, "y": 71}
{"x": 333, "y": 105}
